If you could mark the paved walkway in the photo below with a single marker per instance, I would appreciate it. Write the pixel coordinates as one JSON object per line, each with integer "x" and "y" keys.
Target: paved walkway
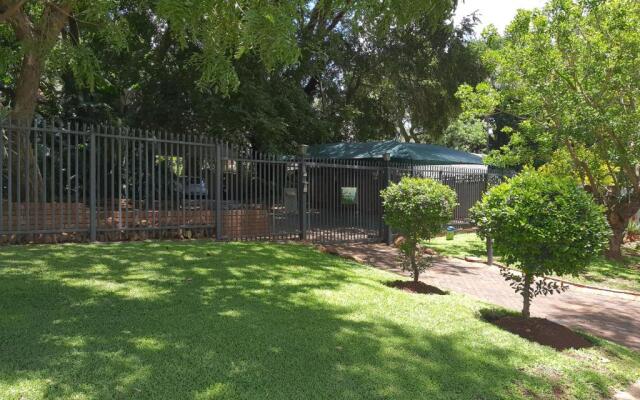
{"x": 633, "y": 393}
{"x": 609, "y": 315}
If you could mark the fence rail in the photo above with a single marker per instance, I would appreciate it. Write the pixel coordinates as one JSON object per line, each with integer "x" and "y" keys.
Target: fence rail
{"x": 77, "y": 183}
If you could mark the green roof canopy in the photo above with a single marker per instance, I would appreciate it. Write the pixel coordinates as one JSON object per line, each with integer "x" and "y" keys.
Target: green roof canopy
{"x": 399, "y": 151}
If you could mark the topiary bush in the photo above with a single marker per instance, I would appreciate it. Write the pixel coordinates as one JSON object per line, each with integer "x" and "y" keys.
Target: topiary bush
{"x": 543, "y": 225}
{"x": 418, "y": 209}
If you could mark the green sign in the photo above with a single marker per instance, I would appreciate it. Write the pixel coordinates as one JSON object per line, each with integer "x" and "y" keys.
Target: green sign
{"x": 349, "y": 195}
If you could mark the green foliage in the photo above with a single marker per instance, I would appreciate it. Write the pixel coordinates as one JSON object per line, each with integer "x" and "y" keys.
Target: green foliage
{"x": 633, "y": 228}
{"x": 543, "y": 224}
{"x": 516, "y": 141}
{"x": 561, "y": 164}
{"x": 527, "y": 145}
{"x": 418, "y": 209}
{"x": 403, "y": 83}
{"x": 466, "y": 135}
{"x": 226, "y": 31}
{"x": 9, "y": 54}
{"x": 266, "y": 73}
{"x": 569, "y": 71}
{"x": 477, "y": 101}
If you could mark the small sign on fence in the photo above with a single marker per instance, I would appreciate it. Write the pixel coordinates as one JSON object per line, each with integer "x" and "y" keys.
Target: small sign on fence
{"x": 349, "y": 195}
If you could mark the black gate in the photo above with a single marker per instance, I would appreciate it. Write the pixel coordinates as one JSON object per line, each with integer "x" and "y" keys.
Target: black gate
{"x": 343, "y": 200}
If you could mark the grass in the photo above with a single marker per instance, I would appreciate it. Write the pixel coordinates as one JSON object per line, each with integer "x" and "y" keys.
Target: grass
{"x": 462, "y": 245}
{"x": 623, "y": 275}
{"x": 200, "y": 320}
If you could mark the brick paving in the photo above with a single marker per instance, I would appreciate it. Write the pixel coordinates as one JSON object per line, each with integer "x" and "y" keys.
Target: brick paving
{"x": 614, "y": 316}
{"x": 633, "y": 393}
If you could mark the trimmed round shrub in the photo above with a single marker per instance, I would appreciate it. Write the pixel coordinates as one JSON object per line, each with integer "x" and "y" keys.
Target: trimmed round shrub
{"x": 418, "y": 209}
{"x": 542, "y": 225}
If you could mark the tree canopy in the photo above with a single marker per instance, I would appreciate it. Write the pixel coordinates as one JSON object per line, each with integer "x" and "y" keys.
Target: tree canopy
{"x": 271, "y": 73}
{"x": 569, "y": 74}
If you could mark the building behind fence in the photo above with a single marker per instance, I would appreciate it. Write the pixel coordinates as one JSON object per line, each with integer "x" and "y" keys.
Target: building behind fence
{"x": 73, "y": 183}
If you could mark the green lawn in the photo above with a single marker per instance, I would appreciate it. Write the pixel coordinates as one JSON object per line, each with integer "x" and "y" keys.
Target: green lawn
{"x": 604, "y": 273}
{"x": 462, "y": 245}
{"x": 199, "y": 320}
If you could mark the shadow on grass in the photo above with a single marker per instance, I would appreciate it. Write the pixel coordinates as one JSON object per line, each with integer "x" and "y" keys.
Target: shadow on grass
{"x": 617, "y": 274}
{"x": 201, "y": 320}
{"x": 416, "y": 287}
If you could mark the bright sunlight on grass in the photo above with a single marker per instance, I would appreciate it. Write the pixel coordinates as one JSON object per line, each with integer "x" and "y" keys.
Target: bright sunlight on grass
{"x": 462, "y": 245}
{"x": 603, "y": 273}
{"x": 180, "y": 320}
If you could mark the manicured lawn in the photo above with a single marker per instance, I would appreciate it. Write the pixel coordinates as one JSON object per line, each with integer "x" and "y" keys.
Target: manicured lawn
{"x": 462, "y": 245}
{"x": 199, "y": 320}
{"x": 604, "y": 273}
{"x": 618, "y": 275}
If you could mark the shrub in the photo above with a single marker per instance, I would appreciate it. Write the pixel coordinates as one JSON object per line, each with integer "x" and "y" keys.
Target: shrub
{"x": 418, "y": 209}
{"x": 543, "y": 225}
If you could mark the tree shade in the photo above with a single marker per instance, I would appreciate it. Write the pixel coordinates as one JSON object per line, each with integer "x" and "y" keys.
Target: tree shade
{"x": 399, "y": 151}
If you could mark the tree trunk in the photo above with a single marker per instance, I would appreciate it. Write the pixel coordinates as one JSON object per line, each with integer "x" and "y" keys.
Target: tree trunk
{"x": 526, "y": 295}
{"x": 618, "y": 218}
{"x": 26, "y": 171}
{"x": 26, "y": 179}
{"x": 414, "y": 265}
{"x": 27, "y": 87}
{"x": 37, "y": 38}
{"x": 614, "y": 252}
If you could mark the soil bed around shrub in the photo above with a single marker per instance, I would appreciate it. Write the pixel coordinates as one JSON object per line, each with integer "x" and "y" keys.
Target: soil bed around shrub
{"x": 542, "y": 331}
{"x": 416, "y": 287}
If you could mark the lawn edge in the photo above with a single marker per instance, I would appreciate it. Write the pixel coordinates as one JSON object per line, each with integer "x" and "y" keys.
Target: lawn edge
{"x": 582, "y": 285}
{"x": 330, "y": 250}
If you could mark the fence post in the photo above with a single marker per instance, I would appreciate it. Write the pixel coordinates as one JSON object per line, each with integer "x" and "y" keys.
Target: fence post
{"x": 219, "y": 166}
{"x": 387, "y": 235}
{"x": 93, "y": 215}
{"x": 486, "y": 181}
{"x": 302, "y": 192}
{"x": 489, "y": 251}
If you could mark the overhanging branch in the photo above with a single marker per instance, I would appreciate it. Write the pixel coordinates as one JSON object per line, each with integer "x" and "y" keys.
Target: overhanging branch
{"x": 10, "y": 10}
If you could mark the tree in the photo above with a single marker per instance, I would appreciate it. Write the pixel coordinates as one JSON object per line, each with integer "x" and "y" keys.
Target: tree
{"x": 40, "y": 31}
{"x": 401, "y": 83}
{"x": 221, "y": 29}
{"x": 571, "y": 72}
{"x": 324, "y": 26}
{"x": 131, "y": 61}
{"x": 418, "y": 209}
{"x": 541, "y": 224}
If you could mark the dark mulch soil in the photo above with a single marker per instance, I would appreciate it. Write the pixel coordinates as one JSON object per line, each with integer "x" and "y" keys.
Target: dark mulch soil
{"x": 415, "y": 287}
{"x": 543, "y": 331}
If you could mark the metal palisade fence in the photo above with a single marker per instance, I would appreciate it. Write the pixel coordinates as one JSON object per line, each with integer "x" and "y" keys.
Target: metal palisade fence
{"x": 86, "y": 183}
